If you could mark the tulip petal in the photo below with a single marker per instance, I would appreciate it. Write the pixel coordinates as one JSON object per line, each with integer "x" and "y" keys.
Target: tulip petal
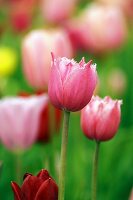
{"x": 47, "y": 191}
{"x": 55, "y": 89}
{"x": 30, "y": 187}
{"x": 43, "y": 174}
{"x": 80, "y": 83}
{"x": 18, "y": 195}
{"x": 108, "y": 123}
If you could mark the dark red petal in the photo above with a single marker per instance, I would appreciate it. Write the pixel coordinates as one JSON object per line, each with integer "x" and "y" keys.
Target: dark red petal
{"x": 43, "y": 130}
{"x": 26, "y": 174}
{"x": 43, "y": 174}
{"x": 58, "y": 118}
{"x": 47, "y": 191}
{"x": 17, "y": 191}
{"x": 30, "y": 187}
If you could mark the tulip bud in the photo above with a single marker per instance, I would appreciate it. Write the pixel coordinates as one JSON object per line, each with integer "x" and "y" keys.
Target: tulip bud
{"x": 71, "y": 84}
{"x": 100, "y": 118}
{"x": 37, "y": 187}
{"x": 36, "y": 49}
{"x": 19, "y": 120}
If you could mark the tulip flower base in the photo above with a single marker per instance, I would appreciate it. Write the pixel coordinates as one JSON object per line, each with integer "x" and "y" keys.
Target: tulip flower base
{"x": 63, "y": 155}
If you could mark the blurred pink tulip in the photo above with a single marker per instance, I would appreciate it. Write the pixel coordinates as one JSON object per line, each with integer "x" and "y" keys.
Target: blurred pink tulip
{"x": 36, "y": 53}
{"x": 71, "y": 84}
{"x": 125, "y": 5}
{"x": 19, "y": 120}
{"x": 100, "y": 118}
{"x": 98, "y": 28}
{"x": 55, "y": 11}
{"x": 131, "y": 195}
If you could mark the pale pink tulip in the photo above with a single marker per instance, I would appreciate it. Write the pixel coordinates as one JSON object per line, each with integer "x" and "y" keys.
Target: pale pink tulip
{"x": 19, "y": 120}
{"x": 36, "y": 54}
{"x": 125, "y": 5}
{"x": 131, "y": 195}
{"x": 100, "y": 118}
{"x": 98, "y": 28}
{"x": 55, "y": 11}
{"x": 71, "y": 84}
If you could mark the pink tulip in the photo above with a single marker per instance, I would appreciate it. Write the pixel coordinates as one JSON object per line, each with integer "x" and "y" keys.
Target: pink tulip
{"x": 19, "y": 120}
{"x": 36, "y": 54}
{"x": 131, "y": 195}
{"x": 100, "y": 118}
{"x": 71, "y": 84}
{"x": 125, "y": 5}
{"x": 56, "y": 11}
{"x": 98, "y": 29}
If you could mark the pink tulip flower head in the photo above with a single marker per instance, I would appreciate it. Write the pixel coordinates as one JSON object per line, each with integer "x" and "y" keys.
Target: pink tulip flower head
{"x": 126, "y": 6}
{"x": 106, "y": 29}
{"x": 100, "y": 118}
{"x": 36, "y": 54}
{"x": 56, "y": 11}
{"x": 71, "y": 84}
{"x": 19, "y": 120}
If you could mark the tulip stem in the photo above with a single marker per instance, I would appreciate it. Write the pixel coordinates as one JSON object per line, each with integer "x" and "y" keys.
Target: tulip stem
{"x": 18, "y": 167}
{"x": 95, "y": 171}
{"x": 63, "y": 155}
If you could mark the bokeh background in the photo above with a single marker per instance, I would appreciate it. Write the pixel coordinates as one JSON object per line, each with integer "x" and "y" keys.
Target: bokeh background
{"x": 101, "y": 30}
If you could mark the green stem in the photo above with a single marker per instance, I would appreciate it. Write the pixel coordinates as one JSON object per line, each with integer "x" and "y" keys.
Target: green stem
{"x": 95, "y": 171}
{"x": 63, "y": 155}
{"x": 18, "y": 167}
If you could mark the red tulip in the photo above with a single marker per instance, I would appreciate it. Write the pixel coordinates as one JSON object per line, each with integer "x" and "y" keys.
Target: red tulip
{"x": 37, "y": 187}
{"x": 21, "y": 13}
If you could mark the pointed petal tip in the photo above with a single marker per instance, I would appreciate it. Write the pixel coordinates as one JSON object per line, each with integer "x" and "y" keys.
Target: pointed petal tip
{"x": 43, "y": 173}
{"x": 26, "y": 175}
{"x": 53, "y": 57}
{"x": 13, "y": 184}
{"x": 18, "y": 195}
{"x": 93, "y": 66}
{"x": 82, "y": 62}
{"x": 89, "y": 64}
{"x": 119, "y": 102}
